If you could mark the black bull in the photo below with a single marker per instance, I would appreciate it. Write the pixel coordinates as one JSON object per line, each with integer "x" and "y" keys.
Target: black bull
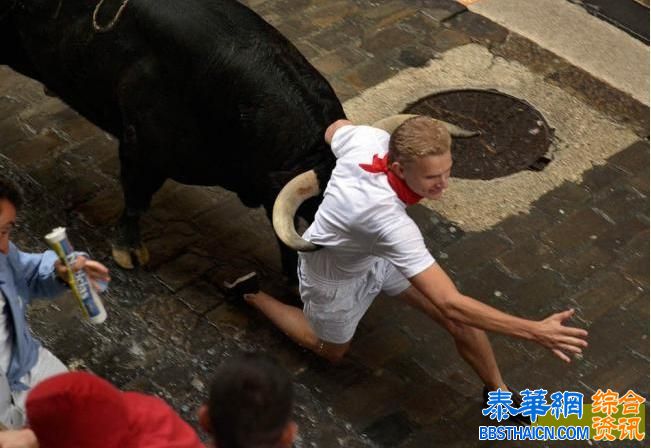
{"x": 201, "y": 91}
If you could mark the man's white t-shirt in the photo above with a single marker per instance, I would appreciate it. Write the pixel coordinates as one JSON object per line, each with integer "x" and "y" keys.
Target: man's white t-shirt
{"x": 361, "y": 218}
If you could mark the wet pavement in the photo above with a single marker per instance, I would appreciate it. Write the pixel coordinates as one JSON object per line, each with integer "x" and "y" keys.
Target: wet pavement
{"x": 584, "y": 244}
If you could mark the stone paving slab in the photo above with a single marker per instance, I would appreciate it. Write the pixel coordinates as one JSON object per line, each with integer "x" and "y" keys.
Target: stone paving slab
{"x": 583, "y": 244}
{"x": 597, "y": 47}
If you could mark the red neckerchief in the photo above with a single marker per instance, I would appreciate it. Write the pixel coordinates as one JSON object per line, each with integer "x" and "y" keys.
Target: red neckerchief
{"x": 381, "y": 165}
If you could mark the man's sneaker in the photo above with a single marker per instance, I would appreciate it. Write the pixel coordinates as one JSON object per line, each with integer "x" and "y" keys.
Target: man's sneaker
{"x": 519, "y": 420}
{"x": 246, "y": 284}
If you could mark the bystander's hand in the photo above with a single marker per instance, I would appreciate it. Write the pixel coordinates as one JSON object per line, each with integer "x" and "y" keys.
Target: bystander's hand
{"x": 95, "y": 270}
{"x": 22, "y": 438}
{"x": 561, "y": 340}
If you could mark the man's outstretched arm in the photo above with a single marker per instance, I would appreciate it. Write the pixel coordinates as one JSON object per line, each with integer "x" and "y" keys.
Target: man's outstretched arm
{"x": 435, "y": 284}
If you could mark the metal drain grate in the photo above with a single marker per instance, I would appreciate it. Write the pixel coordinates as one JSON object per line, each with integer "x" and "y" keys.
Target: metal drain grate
{"x": 514, "y": 135}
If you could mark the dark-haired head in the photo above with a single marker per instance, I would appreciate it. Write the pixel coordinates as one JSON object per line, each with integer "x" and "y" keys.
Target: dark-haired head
{"x": 250, "y": 404}
{"x": 10, "y": 191}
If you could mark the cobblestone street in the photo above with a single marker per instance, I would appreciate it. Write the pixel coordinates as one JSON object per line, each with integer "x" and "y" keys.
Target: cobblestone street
{"x": 583, "y": 243}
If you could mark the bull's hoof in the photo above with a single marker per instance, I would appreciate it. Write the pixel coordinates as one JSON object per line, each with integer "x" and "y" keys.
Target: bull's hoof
{"x": 142, "y": 255}
{"x": 122, "y": 257}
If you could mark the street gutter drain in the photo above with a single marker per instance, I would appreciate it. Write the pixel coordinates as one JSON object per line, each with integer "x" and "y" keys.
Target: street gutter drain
{"x": 513, "y": 137}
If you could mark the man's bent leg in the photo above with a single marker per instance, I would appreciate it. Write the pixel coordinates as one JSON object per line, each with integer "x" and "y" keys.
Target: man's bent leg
{"x": 291, "y": 321}
{"x": 472, "y": 343}
{"x": 46, "y": 366}
{"x": 6, "y": 403}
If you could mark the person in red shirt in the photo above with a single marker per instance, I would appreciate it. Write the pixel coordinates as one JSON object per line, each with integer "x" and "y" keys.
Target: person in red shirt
{"x": 250, "y": 405}
{"x": 78, "y": 409}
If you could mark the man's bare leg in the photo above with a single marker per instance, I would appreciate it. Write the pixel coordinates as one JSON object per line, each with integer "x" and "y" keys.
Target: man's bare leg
{"x": 472, "y": 344}
{"x": 291, "y": 321}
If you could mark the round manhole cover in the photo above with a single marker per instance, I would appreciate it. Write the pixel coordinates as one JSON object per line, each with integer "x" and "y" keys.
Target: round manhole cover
{"x": 513, "y": 135}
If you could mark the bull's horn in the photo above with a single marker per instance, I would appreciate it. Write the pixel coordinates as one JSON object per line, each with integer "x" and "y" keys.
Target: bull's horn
{"x": 390, "y": 124}
{"x": 297, "y": 190}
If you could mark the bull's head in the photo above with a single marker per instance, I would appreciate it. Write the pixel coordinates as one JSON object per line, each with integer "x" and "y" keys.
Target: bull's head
{"x": 306, "y": 185}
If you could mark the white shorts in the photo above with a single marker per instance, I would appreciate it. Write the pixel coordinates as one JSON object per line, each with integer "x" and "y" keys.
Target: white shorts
{"x": 12, "y": 403}
{"x": 334, "y": 307}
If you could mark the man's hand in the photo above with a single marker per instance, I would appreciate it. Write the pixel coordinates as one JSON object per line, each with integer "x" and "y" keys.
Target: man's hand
{"x": 95, "y": 270}
{"x": 561, "y": 340}
{"x": 22, "y": 438}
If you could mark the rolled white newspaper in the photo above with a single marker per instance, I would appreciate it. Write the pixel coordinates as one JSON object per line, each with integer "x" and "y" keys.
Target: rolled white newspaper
{"x": 89, "y": 301}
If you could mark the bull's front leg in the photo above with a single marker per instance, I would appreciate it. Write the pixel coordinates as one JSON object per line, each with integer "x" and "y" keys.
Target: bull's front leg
{"x": 139, "y": 183}
{"x": 127, "y": 244}
{"x": 289, "y": 260}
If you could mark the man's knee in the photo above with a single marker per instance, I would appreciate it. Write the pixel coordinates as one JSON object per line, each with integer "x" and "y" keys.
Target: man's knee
{"x": 334, "y": 353}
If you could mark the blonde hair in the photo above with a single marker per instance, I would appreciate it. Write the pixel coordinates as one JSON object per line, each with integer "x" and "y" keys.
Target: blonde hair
{"x": 418, "y": 137}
